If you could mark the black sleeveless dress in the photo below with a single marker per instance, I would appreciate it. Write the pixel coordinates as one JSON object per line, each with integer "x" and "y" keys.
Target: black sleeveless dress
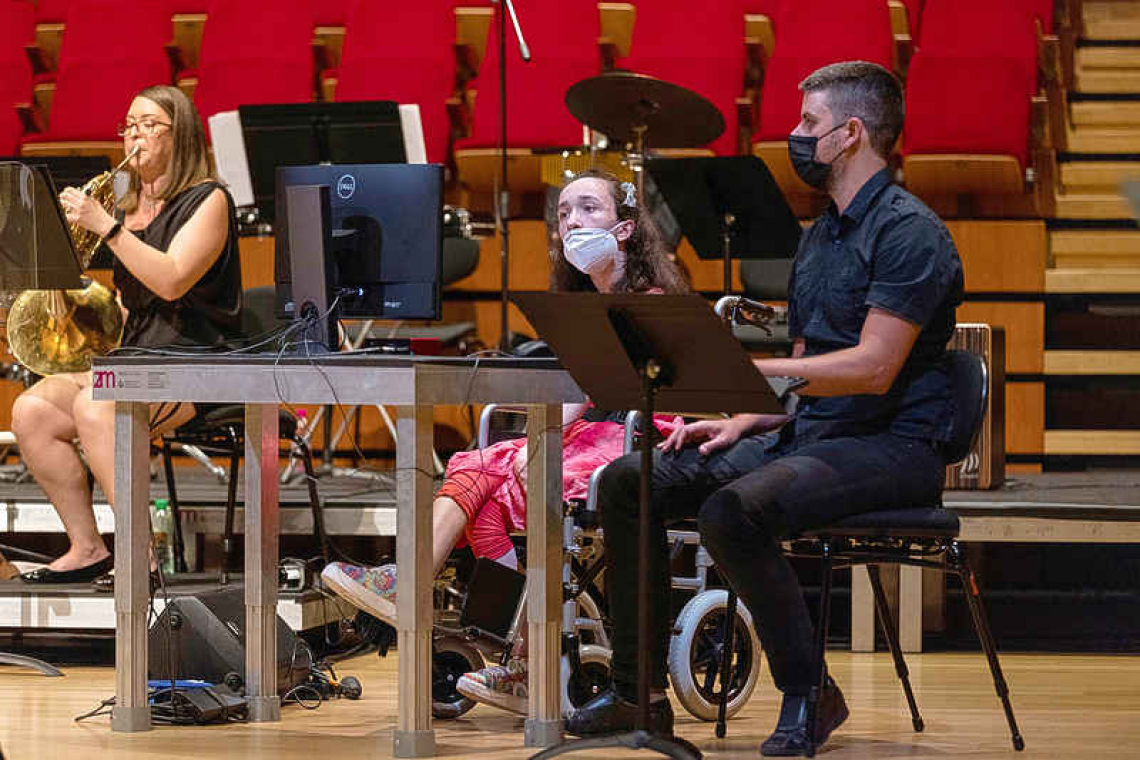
{"x": 206, "y": 315}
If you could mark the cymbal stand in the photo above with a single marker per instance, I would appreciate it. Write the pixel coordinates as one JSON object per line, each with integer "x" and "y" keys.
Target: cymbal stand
{"x": 503, "y": 207}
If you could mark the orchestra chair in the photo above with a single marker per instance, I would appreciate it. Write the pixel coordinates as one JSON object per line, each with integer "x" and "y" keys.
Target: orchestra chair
{"x": 255, "y": 51}
{"x": 95, "y": 83}
{"x": 17, "y": 27}
{"x": 404, "y": 52}
{"x": 704, "y": 52}
{"x": 219, "y": 430}
{"x": 568, "y": 35}
{"x": 925, "y": 536}
{"x": 810, "y": 34}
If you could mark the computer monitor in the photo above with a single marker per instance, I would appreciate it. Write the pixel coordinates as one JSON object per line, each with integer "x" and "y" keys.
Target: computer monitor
{"x": 301, "y": 134}
{"x": 382, "y": 254}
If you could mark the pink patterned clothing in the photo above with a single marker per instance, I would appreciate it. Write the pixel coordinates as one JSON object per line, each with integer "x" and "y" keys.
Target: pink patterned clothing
{"x": 499, "y": 503}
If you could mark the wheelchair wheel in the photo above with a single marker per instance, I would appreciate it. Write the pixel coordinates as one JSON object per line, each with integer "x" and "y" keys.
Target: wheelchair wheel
{"x": 694, "y": 656}
{"x": 589, "y": 680}
{"x": 450, "y": 659}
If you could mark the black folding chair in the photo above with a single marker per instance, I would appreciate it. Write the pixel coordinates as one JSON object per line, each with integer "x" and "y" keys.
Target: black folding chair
{"x": 925, "y": 535}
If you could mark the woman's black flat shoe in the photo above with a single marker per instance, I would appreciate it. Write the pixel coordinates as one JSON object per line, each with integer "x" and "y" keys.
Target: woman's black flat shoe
{"x": 79, "y": 575}
{"x": 106, "y": 582}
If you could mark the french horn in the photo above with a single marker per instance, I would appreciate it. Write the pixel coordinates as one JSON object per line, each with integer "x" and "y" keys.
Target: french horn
{"x": 54, "y": 331}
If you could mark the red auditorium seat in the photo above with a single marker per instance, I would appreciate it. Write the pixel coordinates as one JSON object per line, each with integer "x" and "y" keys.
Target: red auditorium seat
{"x": 703, "y": 51}
{"x": 402, "y": 52}
{"x": 810, "y": 34}
{"x": 564, "y": 39}
{"x": 982, "y": 150}
{"x": 256, "y": 51}
{"x": 17, "y": 28}
{"x": 96, "y": 79}
{"x": 914, "y": 16}
{"x": 51, "y": 11}
{"x": 967, "y": 125}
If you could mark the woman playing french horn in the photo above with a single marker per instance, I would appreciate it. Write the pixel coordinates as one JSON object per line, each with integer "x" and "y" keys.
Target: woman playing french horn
{"x": 179, "y": 282}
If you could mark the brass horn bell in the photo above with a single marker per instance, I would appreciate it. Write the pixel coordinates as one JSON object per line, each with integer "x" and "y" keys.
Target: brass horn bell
{"x": 53, "y": 331}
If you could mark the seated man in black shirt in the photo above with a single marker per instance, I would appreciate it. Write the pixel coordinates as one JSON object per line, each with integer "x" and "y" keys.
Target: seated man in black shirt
{"x": 871, "y": 306}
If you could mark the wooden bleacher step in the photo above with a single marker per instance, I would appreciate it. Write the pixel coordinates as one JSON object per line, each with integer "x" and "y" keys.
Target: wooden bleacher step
{"x": 1111, "y": 20}
{"x": 1093, "y": 261}
{"x": 1105, "y": 205}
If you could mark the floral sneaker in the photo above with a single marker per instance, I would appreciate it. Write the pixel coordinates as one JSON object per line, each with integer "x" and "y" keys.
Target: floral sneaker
{"x": 503, "y": 686}
{"x": 372, "y": 589}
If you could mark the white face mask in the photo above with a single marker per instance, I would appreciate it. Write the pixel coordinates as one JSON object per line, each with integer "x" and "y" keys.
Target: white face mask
{"x": 590, "y": 249}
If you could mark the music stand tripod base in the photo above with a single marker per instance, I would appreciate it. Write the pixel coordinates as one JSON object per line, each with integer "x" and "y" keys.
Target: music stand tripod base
{"x": 30, "y": 662}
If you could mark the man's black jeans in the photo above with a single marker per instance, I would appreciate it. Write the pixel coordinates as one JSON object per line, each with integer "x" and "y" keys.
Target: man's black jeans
{"x": 746, "y": 498}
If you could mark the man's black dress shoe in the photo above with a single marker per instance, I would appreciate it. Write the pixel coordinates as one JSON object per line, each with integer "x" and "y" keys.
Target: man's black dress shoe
{"x": 608, "y": 713}
{"x": 78, "y": 575}
{"x": 791, "y": 735}
{"x": 106, "y": 582}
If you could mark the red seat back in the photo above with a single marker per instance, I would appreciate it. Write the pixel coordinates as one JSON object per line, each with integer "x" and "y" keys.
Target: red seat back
{"x": 700, "y": 48}
{"x": 402, "y": 52}
{"x": 966, "y": 104}
{"x": 564, "y": 39}
{"x": 17, "y": 28}
{"x": 51, "y": 11}
{"x": 97, "y": 79}
{"x": 337, "y": 12}
{"x": 985, "y": 29}
{"x": 914, "y": 16}
{"x": 256, "y": 51}
{"x": 811, "y": 34}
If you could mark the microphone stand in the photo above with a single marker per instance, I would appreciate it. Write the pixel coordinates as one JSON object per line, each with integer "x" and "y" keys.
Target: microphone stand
{"x": 503, "y": 207}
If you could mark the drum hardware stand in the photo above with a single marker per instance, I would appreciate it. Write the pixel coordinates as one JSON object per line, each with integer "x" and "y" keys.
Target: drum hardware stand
{"x": 503, "y": 207}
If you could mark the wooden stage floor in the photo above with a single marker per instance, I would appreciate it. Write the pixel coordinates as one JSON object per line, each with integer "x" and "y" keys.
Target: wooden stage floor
{"x": 1069, "y": 706}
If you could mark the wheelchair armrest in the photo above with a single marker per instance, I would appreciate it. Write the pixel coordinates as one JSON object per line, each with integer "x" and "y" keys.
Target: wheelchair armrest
{"x": 485, "y": 417}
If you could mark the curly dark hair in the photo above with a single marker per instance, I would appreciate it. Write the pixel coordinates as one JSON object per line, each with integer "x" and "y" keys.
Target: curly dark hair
{"x": 647, "y": 264}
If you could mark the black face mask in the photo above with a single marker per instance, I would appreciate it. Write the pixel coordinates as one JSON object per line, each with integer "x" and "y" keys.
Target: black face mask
{"x": 801, "y": 150}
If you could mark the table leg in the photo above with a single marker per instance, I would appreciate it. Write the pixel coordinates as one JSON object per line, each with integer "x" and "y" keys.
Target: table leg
{"x": 132, "y": 586}
{"x": 544, "y": 573}
{"x": 262, "y": 525}
{"x": 414, "y": 736}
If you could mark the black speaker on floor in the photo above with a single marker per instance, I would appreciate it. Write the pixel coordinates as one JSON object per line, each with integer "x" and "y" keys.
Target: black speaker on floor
{"x": 203, "y": 637}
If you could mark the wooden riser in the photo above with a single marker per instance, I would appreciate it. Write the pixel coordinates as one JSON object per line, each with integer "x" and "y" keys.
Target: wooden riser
{"x": 1095, "y": 249}
{"x": 1108, "y": 20}
{"x": 1107, "y": 58}
{"x": 1097, "y": 176}
{"x": 1092, "y": 281}
{"x": 1108, "y": 80}
{"x": 1093, "y": 206}
{"x": 1104, "y": 140}
{"x": 1092, "y": 362}
{"x": 1092, "y": 442}
{"x": 1105, "y": 114}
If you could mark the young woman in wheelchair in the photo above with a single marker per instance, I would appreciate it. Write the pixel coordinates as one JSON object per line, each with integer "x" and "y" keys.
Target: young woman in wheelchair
{"x": 176, "y": 268}
{"x": 609, "y": 245}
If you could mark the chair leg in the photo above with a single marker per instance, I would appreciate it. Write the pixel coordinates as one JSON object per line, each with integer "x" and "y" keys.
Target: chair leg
{"x": 982, "y": 626}
{"x": 827, "y": 565}
{"x": 726, "y": 662}
{"x": 172, "y": 493}
{"x": 231, "y": 508}
{"x": 887, "y": 622}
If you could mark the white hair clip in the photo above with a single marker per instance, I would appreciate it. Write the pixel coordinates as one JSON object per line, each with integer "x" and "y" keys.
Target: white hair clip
{"x": 630, "y": 194}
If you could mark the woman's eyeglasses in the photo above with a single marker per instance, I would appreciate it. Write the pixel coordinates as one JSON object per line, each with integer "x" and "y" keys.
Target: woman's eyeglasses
{"x": 147, "y": 127}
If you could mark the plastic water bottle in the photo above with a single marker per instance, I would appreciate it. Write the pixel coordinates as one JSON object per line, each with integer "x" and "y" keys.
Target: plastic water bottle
{"x": 162, "y": 523}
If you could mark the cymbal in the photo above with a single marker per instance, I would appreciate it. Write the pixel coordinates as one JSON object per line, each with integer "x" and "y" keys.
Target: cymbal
{"x": 619, "y": 102}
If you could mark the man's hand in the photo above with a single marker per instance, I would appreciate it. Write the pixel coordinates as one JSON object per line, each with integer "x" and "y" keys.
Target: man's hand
{"x": 712, "y": 435}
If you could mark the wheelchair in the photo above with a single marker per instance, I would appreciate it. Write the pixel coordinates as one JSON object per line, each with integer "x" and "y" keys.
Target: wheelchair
{"x": 465, "y": 639}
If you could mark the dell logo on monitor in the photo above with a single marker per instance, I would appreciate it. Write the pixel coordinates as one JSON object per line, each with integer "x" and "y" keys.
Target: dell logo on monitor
{"x": 346, "y": 186}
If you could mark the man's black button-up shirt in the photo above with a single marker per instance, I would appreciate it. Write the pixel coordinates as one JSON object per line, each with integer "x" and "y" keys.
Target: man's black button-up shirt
{"x": 889, "y": 251}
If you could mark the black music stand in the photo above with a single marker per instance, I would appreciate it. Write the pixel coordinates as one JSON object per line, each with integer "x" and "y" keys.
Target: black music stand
{"x": 640, "y": 351}
{"x": 35, "y": 253}
{"x": 728, "y": 207}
